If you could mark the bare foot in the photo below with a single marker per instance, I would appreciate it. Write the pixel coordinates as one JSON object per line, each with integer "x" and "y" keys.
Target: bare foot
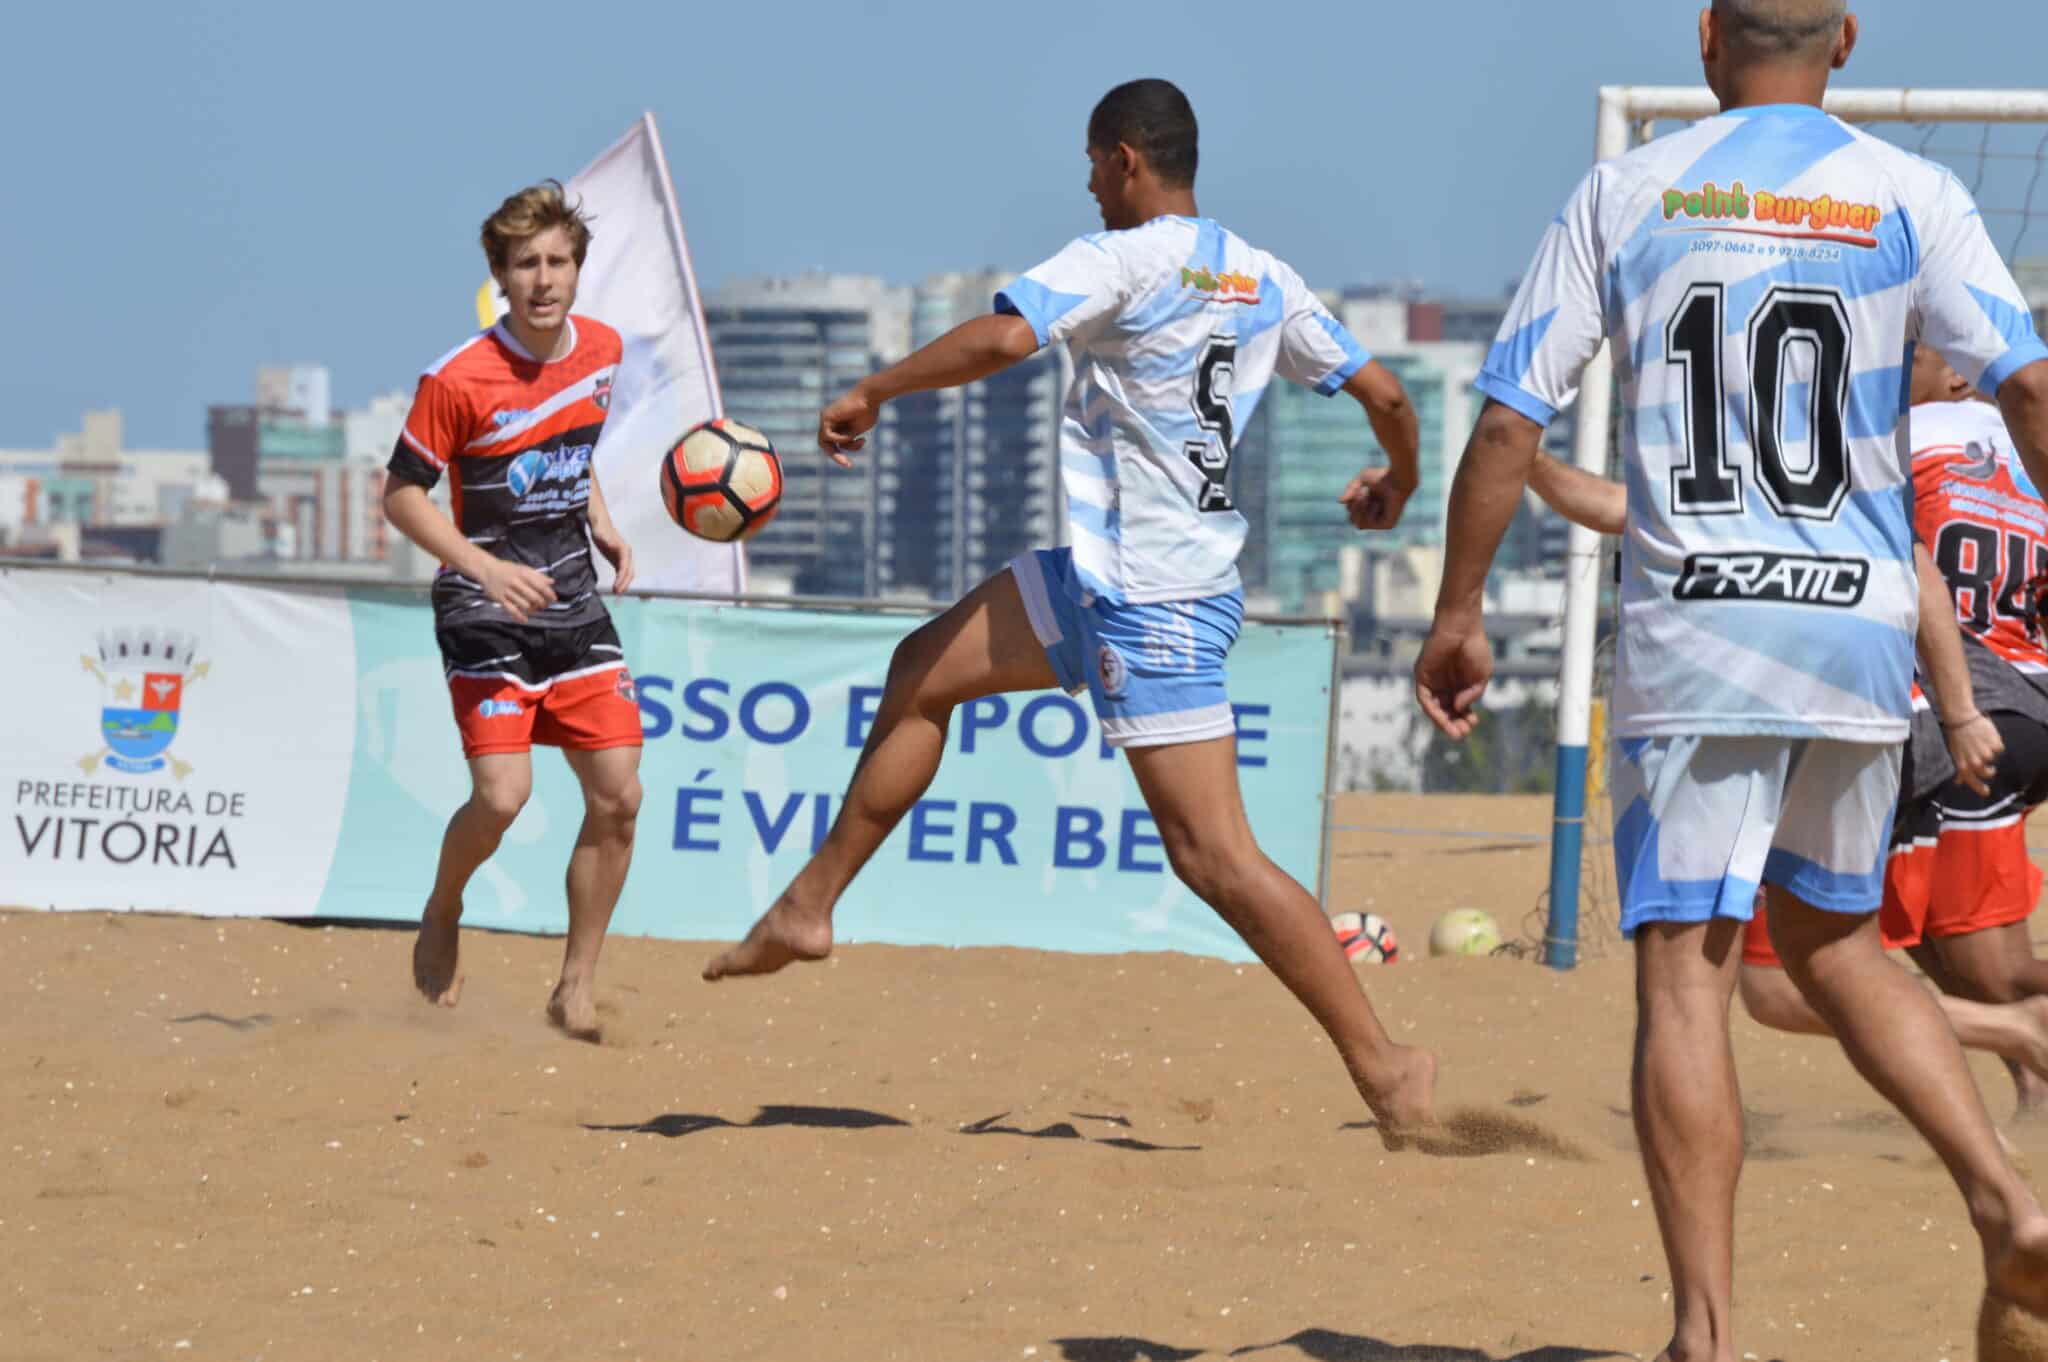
{"x": 436, "y": 956}
{"x": 573, "y": 1010}
{"x": 2007, "y": 1332}
{"x": 2016, "y": 1266}
{"x": 784, "y": 935}
{"x": 1405, "y": 1104}
{"x": 1673, "y": 1353}
{"x": 2032, "y": 1079}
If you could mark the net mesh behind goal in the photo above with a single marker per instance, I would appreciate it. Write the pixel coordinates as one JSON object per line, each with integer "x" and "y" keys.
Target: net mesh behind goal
{"x": 2003, "y": 161}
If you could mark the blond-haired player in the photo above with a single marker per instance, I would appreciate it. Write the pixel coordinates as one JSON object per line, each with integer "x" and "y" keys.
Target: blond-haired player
{"x": 512, "y": 416}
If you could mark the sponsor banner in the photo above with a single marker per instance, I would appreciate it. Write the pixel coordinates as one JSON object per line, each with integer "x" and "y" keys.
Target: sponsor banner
{"x": 1033, "y": 834}
{"x": 174, "y": 745}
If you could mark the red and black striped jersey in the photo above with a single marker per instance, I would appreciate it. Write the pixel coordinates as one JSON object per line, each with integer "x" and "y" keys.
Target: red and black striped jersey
{"x": 516, "y": 436}
{"x": 1982, "y": 519}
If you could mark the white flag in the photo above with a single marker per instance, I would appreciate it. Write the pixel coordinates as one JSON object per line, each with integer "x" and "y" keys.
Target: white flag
{"x": 637, "y": 280}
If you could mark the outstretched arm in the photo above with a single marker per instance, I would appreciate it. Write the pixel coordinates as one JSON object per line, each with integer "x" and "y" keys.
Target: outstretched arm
{"x": 1973, "y": 740}
{"x": 1599, "y": 504}
{"x": 1376, "y": 496}
{"x": 970, "y": 351}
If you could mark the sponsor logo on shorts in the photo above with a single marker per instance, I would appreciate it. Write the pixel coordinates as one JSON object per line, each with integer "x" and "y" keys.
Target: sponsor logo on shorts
{"x": 1794, "y": 578}
{"x": 625, "y": 688}
{"x": 497, "y": 709}
{"x": 1115, "y": 675}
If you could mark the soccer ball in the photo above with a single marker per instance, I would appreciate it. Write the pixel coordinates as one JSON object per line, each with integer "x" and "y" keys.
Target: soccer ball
{"x": 1464, "y": 931}
{"x": 722, "y": 481}
{"x": 1367, "y": 937}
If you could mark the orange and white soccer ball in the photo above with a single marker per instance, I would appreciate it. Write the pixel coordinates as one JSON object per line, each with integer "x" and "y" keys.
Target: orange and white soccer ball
{"x": 1366, "y": 937}
{"x": 722, "y": 481}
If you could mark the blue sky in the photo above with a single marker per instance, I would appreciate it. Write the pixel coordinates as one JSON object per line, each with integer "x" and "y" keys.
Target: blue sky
{"x": 201, "y": 188}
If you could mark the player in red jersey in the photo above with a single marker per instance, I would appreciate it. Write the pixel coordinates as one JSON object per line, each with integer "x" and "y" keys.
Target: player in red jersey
{"x": 513, "y": 415}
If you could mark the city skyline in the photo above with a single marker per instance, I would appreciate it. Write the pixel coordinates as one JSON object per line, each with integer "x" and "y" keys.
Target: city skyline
{"x": 953, "y": 484}
{"x": 219, "y": 198}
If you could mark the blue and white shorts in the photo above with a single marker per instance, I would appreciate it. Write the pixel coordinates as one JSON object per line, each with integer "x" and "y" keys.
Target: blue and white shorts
{"x": 1154, "y": 671}
{"x": 1700, "y": 822}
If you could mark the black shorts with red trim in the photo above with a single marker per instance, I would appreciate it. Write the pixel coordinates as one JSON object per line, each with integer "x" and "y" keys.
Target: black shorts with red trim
{"x": 1959, "y": 861}
{"x": 515, "y": 685}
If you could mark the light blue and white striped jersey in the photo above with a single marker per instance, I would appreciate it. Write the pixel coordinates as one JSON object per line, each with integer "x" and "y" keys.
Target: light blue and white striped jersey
{"x": 1761, "y": 278}
{"x": 1175, "y": 329}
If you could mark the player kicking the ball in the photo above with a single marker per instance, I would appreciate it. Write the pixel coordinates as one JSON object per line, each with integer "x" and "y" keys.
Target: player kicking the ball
{"x": 1175, "y": 326}
{"x": 530, "y": 651}
{"x": 1768, "y": 594}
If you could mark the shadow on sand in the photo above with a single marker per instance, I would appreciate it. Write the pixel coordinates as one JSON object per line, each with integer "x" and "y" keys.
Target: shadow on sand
{"x": 1066, "y": 1130}
{"x": 1323, "y": 1345}
{"x": 676, "y": 1124}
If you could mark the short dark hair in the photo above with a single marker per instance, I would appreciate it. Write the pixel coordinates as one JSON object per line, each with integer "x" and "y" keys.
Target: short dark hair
{"x": 1155, "y": 119}
{"x": 1779, "y": 30}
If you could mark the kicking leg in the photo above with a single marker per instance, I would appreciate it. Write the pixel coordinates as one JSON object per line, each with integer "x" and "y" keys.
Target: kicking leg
{"x": 982, "y": 646}
{"x": 1896, "y": 1038}
{"x": 597, "y": 872}
{"x": 1997, "y": 965}
{"x": 1192, "y": 791}
{"x": 499, "y": 784}
{"x": 1688, "y": 1115}
{"x": 2016, "y": 1032}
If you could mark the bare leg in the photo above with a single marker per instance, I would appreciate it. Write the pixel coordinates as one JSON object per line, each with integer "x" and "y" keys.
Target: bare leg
{"x": 1770, "y": 996}
{"x": 597, "y": 872}
{"x": 1688, "y": 1113}
{"x": 982, "y": 646}
{"x": 499, "y": 784}
{"x": 1896, "y": 1038}
{"x": 1193, "y": 793}
{"x": 1997, "y": 965}
{"x": 2015, "y": 1032}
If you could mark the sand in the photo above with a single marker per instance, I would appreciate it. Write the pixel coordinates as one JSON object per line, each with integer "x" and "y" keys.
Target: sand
{"x": 249, "y": 1140}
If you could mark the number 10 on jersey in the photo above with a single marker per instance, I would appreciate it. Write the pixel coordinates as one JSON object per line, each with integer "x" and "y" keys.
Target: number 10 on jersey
{"x": 1788, "y": 320}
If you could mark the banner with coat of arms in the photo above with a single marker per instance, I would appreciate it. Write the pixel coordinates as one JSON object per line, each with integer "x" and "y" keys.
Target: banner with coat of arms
{"x": 288, "y": 751}
{"x": 176, "y": 745}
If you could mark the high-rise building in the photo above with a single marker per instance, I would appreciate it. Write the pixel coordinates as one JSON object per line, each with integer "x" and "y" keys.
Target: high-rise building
{"x": 1467, "y": 320}
{"x": 370, "y": 433}
{"x": 300, "y": 389}
{"x": 785, "y": 347}
{"x": 2033, "y": 280}
{"x": 1300, "y": 449}
{"x": 973, "y": 474}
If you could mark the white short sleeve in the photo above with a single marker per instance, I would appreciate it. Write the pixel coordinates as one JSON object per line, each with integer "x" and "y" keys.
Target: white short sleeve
{"x": 1315, "y": 349}
{"x": 1555, "y": 325}
{"x": 1070, "y": 294}
{"x": 1966, "y": 302}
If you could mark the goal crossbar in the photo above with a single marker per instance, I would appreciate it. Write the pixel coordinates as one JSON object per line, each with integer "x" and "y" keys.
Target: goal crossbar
{"x": 1623, "y": 109}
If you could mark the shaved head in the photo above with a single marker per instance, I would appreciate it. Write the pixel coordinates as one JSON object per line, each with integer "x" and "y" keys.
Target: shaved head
{"x": 1781, "y": 30}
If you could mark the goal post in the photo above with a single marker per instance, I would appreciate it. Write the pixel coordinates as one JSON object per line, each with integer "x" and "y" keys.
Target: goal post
{"x": 1628, "y": 116}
